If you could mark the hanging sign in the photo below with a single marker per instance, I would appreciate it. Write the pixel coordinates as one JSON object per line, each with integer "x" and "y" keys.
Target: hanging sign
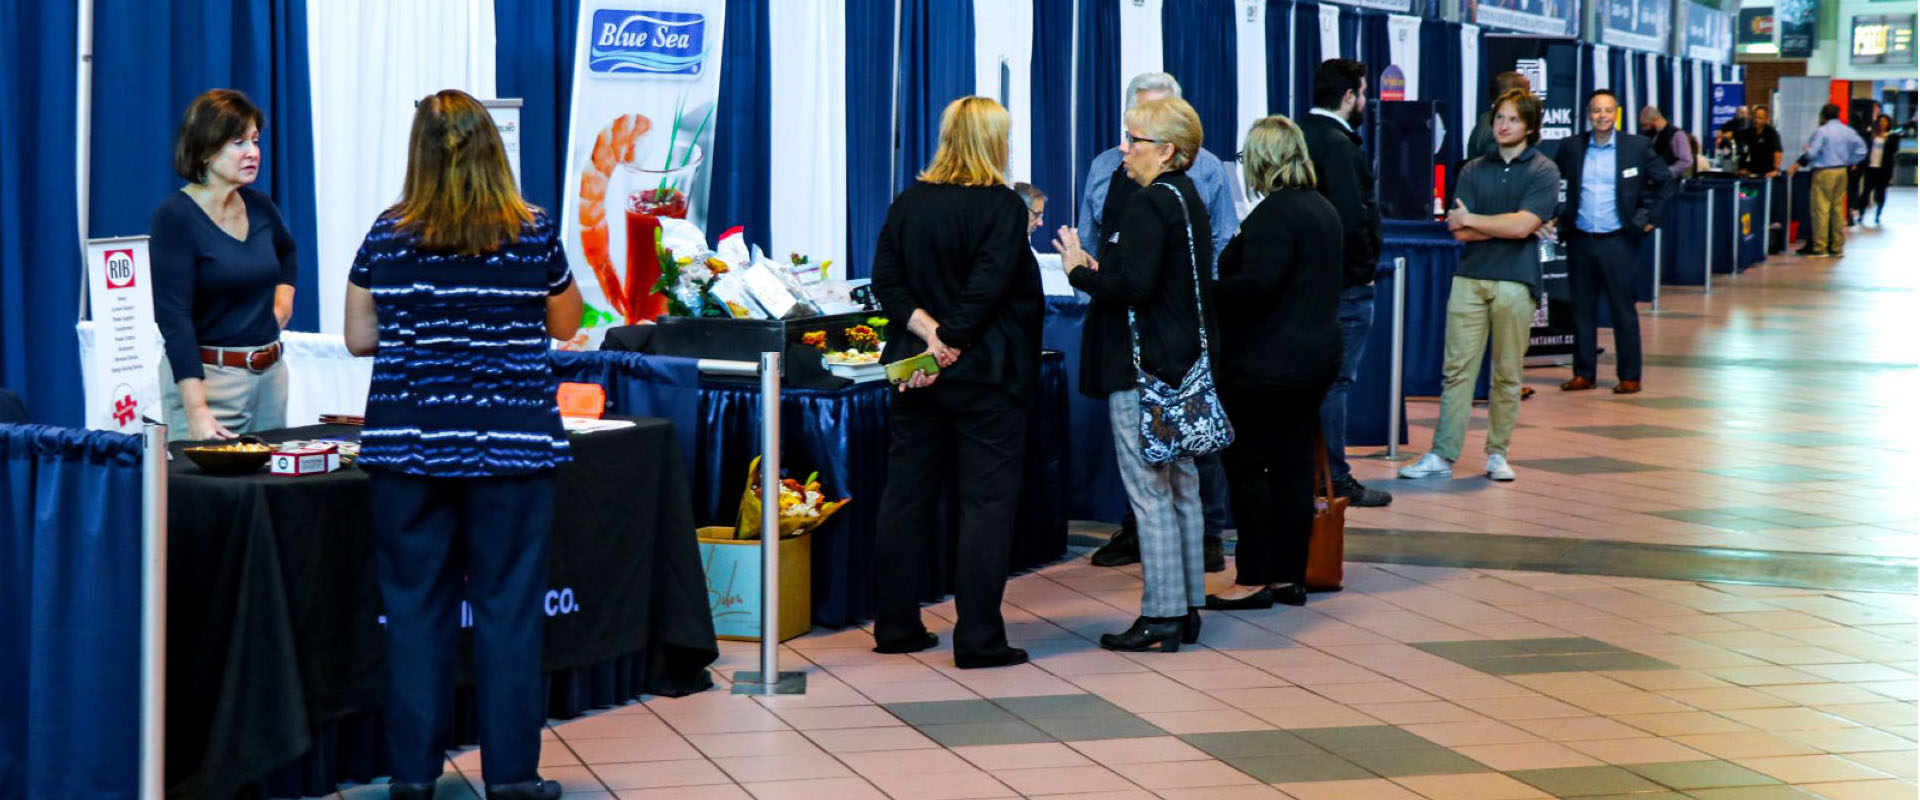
{"x": 1636, "y": 24}
{"x": 1541, "y": 17}
{"x": 1709, "y": 34}
{"x": 639, "y": 146}
{"x": 126, "y": 345}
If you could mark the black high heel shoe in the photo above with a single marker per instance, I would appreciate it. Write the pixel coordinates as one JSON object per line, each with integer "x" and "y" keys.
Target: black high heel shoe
{"x": 1190, "y": 627}
{"x": 1253, "y": 602}
{"x": 1145, "y": 633}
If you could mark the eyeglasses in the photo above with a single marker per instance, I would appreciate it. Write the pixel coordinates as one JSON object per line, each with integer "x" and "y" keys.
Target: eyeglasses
{"x": 1133, "y": 140}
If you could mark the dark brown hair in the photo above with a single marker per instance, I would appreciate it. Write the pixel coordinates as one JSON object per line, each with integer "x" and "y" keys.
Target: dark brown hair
{"x": 1527, "y": 107}
{"x": 214, "y": 118}
{"x": 459, "y": 194}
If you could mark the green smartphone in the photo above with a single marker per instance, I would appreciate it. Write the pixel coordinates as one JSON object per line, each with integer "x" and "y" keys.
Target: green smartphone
{"x": 902, "y": 371}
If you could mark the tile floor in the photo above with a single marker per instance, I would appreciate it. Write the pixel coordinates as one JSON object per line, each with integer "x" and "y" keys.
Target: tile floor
{"x": 1777, "y": 420}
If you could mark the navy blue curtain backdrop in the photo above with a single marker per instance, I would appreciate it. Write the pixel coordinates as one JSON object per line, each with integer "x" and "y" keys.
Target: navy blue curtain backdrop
{"x": 1584, "y": 57}
{"x": 1683, "y": 99}
{"x": 1349, "y": 34}
{"x": 742, "y": 136}
{"x": 936, "y": 68}
{"x": 1096, "y": 115}
{"x": 39, "y": 231}
{"x": 1377, "y": 55}
{"x": 1443, "y": 82}
{"x": 869, "y": 128}
{"x": 70, "y": 581}
{"x": 150, "y": 59}
{"x": 1198, "y": 45}
{"x": 1280, "y": 49}
{"x": 533, "y": 60}
{"x": 1306, "y": 21}
{"x": 1051, "y": 75}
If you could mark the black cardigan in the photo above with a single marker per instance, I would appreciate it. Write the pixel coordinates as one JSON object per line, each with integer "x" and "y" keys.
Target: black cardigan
{"x": 1346, "y": 179}
{"x": 961, "y": 253}
{"x": 1149, "y": 269}
{"x": 1279, "y": 291}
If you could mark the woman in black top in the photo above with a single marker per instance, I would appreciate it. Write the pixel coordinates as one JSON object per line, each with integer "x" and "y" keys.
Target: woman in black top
{"x": 954, "y": 263}
{"x": 223, "y": 273}
{"x": 1280, "y": 345}
{"x": 1883, "y": 149}
{"x": 1152, "y": 270}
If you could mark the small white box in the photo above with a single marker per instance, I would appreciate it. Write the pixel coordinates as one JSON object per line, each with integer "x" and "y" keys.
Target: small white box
{"x": 316, "y": 460}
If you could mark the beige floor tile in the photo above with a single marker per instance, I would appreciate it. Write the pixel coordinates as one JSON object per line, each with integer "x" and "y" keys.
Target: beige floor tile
{"x": 650, "y": 748}
{"x": 1138, "y": 751}
{"x": 1526, "y": 755}
{"x": 1865, "y": 790}
{"x": 950, "y": 786}
{"x": 998, "y": 757}
{"x": 1365, "y": 789}
{"x": 1648, "y": 750}
{"x": 1455, "y": 734}
{"x": 1898, "y": 763}
{"x": 1063, "y": 780}
{"x": 1753, "y": 744}
{"x": 1811, "y": 769}
{"x": 722, "y": 791}
{"x": 1681, "y": 723}
{"x": 854, "y": 740}
{"x": 1217, "y": 720}
{"x": 895, "y": 762}
{"x": 655, "y": 774}
{"x": 808, "y": 789}
{"x": 1182, "y": 774}
{"x": 1470, "y": 786}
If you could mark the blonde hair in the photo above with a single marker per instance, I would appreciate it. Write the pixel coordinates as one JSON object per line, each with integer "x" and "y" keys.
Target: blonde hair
{"x": 973, "y": 144}
{"x": 1276, "y": 157}
{"x": 459, "y": 193}
{"x": 1169, "y": 120}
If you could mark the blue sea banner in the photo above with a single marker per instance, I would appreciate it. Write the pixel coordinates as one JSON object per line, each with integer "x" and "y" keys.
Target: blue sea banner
{"x": 1636, "y": 24}
{"x": 1538, "y": 17}
{"x": 1708, "y": 35}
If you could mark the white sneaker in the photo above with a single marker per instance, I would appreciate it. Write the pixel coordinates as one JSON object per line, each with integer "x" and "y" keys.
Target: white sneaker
{"x": 1431, "y": 465}
{"x": 1497, "y": 468}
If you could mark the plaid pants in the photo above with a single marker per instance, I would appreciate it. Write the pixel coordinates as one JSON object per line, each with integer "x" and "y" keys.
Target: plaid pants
{"x": 1166, "y": 503}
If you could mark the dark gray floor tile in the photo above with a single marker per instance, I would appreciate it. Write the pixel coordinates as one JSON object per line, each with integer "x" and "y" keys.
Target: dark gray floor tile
{"x": 1561, "y": 645}
{"x": 1634, "y": 431}
{"x": 1603, "y": 662}
{"x": 1584, "y": 781}
{"x": 1298, "y": 768}
{"x": 1429, "y": 760}
{"x": 946, "y": 712}
{"x": 1063, "y": 705}
{"x": 1586, "y": 465}
{"x": 1691, "y": 775}
{"x": 1251, "y": 744}
{"x": 967, "y": 734}
{"x": 1361, "y": 737}
{"x": 1078, "y": 729}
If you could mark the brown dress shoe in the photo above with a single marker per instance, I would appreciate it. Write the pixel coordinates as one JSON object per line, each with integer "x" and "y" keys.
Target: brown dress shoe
{"x": 1627, "y": 387}
{"x": 1577, "y": 384}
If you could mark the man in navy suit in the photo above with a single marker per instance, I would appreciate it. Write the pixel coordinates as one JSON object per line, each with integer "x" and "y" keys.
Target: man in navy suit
{"x": 1613, "y": 188}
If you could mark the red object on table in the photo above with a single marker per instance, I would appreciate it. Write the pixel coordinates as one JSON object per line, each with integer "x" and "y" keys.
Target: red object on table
{"x": 644, "y": 210}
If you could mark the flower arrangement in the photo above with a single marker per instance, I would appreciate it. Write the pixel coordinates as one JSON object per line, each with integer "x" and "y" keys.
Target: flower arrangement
{"x": 815, "y": 339}
{"x": 863, "y": 338}
{"x": 803, "y": 506}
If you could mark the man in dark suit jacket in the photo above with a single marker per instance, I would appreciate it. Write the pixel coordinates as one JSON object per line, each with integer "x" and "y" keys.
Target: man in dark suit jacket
{"x": 1346, "y": 180}
{"x": 1614, "y": 186}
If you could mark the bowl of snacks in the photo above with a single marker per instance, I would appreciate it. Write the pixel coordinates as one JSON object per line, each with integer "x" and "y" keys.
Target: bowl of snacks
{"x": 240, "y": 457}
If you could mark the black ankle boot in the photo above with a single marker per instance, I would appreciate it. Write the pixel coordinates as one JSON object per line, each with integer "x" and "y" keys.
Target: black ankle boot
{"x": 526, "y": 790}
{"x": 1145, "y": 633}
{"x": 1190, "y": 628}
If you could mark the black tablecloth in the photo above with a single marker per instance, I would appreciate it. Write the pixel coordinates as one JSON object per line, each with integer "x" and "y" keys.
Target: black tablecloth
{"x": 275, "y": 638}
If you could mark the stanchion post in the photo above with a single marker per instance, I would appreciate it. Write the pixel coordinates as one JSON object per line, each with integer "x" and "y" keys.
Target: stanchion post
{"x": 1766, "y": 214}
{"x": 1733, "y": 228}
{"x": 769, "y": 679}
{"x": 1659, "y": 258}
{"x": 1395, "y": 387}
{"x": 153, "y": 613}
{"x": 1706, "y": 270}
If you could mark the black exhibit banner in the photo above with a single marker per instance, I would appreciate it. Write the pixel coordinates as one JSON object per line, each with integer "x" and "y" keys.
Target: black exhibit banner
{"x": 1799, "y": 25}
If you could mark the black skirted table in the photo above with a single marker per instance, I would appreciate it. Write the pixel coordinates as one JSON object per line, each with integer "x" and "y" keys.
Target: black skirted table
{"x": 275, "y": 647}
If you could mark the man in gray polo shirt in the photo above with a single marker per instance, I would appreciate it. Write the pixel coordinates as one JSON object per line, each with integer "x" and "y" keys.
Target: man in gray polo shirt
{"x": 1500, "y": 201}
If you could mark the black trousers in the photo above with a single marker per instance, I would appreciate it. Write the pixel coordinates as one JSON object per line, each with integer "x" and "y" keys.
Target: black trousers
{"x": 1598, "y": 267}
{"x": 439, "y": 541}
{"x": 1878, "y": 179}
{"x": 971, "y": 437}
{"x": 1270, "y": 478}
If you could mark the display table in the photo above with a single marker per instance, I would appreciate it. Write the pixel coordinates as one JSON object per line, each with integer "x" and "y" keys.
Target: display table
{"x": 842, "y": 434}
{"x": 275, "y": 644}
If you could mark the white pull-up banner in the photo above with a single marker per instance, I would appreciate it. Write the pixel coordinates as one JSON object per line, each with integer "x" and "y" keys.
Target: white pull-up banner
{"x": 125, "y": 356}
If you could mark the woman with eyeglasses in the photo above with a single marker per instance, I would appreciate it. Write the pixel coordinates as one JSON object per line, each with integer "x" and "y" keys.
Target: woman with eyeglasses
{"x": 1153, "y": 270}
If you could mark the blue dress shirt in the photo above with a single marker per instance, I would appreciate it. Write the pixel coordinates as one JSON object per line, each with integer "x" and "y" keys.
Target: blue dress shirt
{"x": 1835, "y": 145}
{"x": 1209, "y": 176}
{"x": 1599, "y": 212}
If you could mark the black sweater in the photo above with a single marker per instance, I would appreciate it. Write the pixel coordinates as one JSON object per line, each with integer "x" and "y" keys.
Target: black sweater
{"x": 1279, "y": 294}
{"x": 1149, "y": 269}
{"x": 210, "y": 289}
{"x": 1346, "y": 179}
{"x": 961, "y": 253}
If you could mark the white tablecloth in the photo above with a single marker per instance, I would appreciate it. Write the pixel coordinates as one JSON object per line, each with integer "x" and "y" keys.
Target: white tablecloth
{"x": 322, "y": 378}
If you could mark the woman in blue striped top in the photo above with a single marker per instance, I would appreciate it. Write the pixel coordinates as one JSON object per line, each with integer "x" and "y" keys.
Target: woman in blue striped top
{"x": 455, "y": 294}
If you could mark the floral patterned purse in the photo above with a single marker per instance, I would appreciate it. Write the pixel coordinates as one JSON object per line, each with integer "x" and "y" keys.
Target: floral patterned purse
{"x": 1181, "y": 422}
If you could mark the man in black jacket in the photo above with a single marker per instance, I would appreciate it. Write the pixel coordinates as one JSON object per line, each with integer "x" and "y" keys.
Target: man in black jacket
{"x": 1615, "y": 185}
{"x": 1346, "y": 179}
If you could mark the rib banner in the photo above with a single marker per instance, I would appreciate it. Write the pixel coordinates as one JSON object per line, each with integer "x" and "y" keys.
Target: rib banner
{"x": 639, "y": 146}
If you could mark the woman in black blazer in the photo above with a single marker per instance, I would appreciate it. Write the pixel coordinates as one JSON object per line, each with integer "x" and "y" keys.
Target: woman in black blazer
{"x": 953, "y": 262}
{"x": 1280, "y": 345}
{"x": 1152, "y": 269}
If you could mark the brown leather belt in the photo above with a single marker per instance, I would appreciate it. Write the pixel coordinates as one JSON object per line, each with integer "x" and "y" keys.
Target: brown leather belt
{"x": 257, "y": 360}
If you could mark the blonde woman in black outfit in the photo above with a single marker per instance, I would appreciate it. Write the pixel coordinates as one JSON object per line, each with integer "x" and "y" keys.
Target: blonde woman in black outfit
{"x": 1280, "y": 345}
{"x": 954, "y": 263}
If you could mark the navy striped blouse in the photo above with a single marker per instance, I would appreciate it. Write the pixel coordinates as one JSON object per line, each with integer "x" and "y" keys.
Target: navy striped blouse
{"x": 461, "y": 382}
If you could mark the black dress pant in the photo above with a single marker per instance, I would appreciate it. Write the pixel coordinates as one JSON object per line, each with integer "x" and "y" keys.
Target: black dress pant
{"x": 1270, "y": 477}
{"x": 1596, "y": 267}
{"x": 973, "y": 438}
{"x": 439, "y": 541}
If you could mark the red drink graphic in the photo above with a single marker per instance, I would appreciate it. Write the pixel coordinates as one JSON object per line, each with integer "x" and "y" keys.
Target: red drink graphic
{"x": 644, "y": 210}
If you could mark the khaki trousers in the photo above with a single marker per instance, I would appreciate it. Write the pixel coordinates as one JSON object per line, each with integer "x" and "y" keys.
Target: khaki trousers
{"x": 1477, "y": 309}
{"x": 241, "y": 399}
{"x": 1829, "y": 201}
